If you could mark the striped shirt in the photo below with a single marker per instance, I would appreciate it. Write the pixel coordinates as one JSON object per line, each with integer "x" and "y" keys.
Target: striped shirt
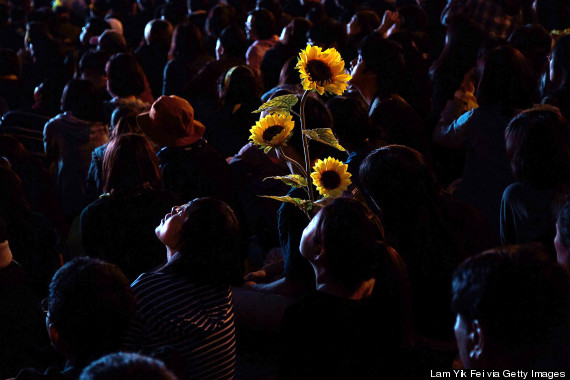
{"x": 196, "y": 320}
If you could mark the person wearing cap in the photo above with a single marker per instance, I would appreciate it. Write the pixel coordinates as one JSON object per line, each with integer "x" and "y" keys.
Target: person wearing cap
{"x": 190, "y": 166}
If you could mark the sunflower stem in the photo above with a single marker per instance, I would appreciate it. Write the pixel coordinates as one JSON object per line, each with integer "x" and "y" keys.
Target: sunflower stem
{"x": 297, "y": 165}
{"x": 306, "y": 144}
{"x": 295, "y": 113}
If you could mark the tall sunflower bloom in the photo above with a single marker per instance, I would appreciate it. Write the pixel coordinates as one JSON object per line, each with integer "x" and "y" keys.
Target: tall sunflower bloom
{"x": 272, "y": 131}
{"x": 331, "y": 177}
{"x": 322, "y": 71}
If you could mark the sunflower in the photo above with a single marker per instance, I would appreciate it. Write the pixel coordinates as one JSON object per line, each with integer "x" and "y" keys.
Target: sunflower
{"x": 330, "y": 177}
{"x": 322, "y": 71}
{"x": 272, "y": 131}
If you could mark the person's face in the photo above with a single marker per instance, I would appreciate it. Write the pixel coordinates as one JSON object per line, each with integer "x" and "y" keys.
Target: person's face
{"x": 461, "y": 330}
{"x": 219, "y": 49}
{"x": 358, "y": 72}
{"x": 352, "y": 28}
{"x": 308, "y": 248}
{"x": 85, "y": 35}
{"x": 168, "y": 231}
{"x": 249, "y": 27}
{"x": 562, "y": 253}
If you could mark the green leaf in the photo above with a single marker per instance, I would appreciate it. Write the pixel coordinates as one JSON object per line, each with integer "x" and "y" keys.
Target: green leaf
{"x": 324, "y": 135}
{"x": 281, "y": 104}
{"x": 294, "y": 180}
{"x": 303, "y": 204}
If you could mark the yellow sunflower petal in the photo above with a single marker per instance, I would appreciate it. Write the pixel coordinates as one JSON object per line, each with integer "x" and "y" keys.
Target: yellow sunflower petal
{"x": 336, "y": 84}
{"x": 331, "y": 166}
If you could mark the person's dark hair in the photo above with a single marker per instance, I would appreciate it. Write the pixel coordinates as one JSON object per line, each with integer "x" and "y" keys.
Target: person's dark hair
{"x": 561, "y": 60}
{"x": 239, "y": 85}
{"x": 351, "y": 123}
{"x": 220, "y": 17}
{"x": 505, "y": 80}
{"x": 208, "y": 245}
{"x": 297, "y": 32}
{"x": 125, "y": 75}
{"x": 538, "y": 147}
{"x": 274, "y": 6}
{"x": 187, "y": 41}
{"x": 385, "y": 58}
{"x": 96, "y": 25}
{"x": 289, "y": 73}
{"x": 263, "y": 23}
{"x": 129, "y": 165}
{"x": 327, "y": 32}
{"x": 234, "y": 41}
{"x": 398, "y": 179}
{"x": 126, "y": 366}
{"x": 93, "y": 61}
{"x": 367, "y": 20}
{"x": 413, "y": 18}
{"x": 90, "y": 304}
{"x": 80, "y": 98}
{"x": 464, "y": 39}
{"x": 125, "y": 124}
{"x": 351, "y": 236}
{"x": 112, "y": 42}
{"x": 553, "y": 14}
{"x": 534, "y": 42}
{"x": 521, "y": 299}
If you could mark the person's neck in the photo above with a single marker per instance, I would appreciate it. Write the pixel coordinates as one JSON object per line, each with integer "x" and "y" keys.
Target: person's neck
{"x": 358, "y": 292}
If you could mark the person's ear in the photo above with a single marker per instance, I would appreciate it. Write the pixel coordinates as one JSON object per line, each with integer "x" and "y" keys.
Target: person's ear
{"x": 53, "y": 335}
{"x": 476, "y": 341}
{"x": 319, "y": 253}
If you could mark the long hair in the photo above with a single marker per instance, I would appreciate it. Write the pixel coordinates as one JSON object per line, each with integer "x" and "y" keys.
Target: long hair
{"x": 505, "y": 80}
{"x": 538, "y": 147}
{"x": 130, "y": 165}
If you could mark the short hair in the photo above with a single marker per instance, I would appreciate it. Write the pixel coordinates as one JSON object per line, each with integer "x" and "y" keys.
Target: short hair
{"x": 263, "y": 23}
{"x": 126, "y": 366}
{"x": 385, "y": 58}
{"x": 159, "y": 30}
{"x": 351, "y": 122}
{"x": 505, "y": 79}
{"x": 91, "y": 305}
{"x": 521, "y": 298}
{"x": 130, "y": 164}
{"x": 538, "y": 147}
{"x": 327, "y": 32}
{"x": 93, "y": 61}
{"x": 352, "y": 238}
{"x": 79, "y": 97}
{"x": 125, "y": 75}
{"x": 234, "y": 41}
{"x": 397, "y": 178}
{"x": 112, "y": 42}
{"x": 367, "y": 20}
{"x": 96, "y": 25}
{"x": 208, "y": 250}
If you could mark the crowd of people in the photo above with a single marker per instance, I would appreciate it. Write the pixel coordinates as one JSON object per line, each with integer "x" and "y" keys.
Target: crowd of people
{"x": 131, "y": 216}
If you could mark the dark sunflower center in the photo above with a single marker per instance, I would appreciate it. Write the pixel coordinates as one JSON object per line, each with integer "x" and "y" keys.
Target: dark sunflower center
{"x": 271, "y": 132}
{"x": 319, "y": 71}
{"x": 330, "y": 179}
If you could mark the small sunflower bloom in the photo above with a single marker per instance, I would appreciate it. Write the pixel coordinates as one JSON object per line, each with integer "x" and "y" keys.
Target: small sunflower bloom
{"x": 272, "y": 131}
{"x": 322, "y": 71}
{"x": 331, "y": 177}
